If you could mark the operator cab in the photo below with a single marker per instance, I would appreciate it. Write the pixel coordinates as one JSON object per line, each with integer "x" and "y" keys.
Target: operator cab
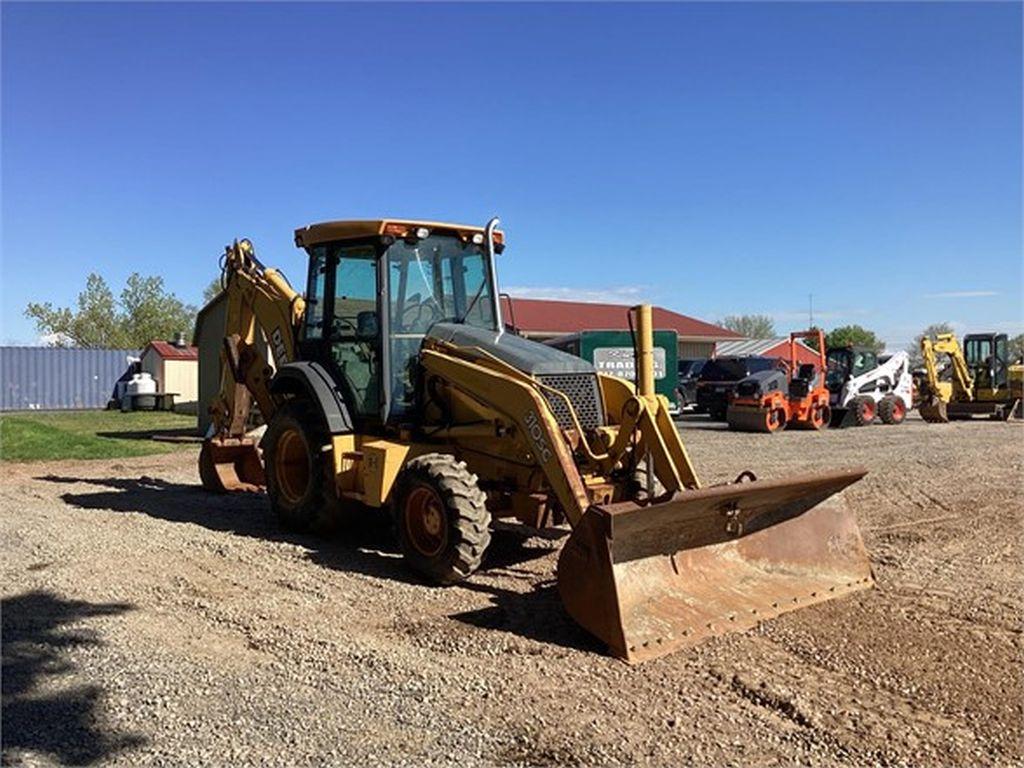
{"x": 845, "y": 363}
{"x": 375, "y": 289}
{"x": 987, "y": 356}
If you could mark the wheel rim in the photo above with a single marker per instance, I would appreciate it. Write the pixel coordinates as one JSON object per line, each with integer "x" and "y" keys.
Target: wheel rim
{"x": 291, "y": 465}
{"x": 869, "y": 410}
{"x": 899, "y": 410}
{"x": 817, "y": 417}
{"x": 425, "y": 521}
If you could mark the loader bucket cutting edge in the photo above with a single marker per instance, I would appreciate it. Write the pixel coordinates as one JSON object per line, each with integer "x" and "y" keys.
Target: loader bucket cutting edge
{"x": 651, "y": 580}
{"x": 225, "y": 467}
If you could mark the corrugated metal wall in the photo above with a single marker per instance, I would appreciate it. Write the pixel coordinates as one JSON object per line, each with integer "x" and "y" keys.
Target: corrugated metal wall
{"x": 696, "y": 350}
{"x": 58, "y": 377}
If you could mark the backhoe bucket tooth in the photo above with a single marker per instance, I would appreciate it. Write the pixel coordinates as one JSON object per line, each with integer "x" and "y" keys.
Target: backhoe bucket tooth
{"x": 934, "y": 411}
{"x": 650, "y": 580}
{"x": 228, "y": 464}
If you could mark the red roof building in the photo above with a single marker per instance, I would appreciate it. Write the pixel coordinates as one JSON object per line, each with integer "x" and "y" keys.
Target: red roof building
{"x": 176, "y": 370}
{"x": 168, "y": 351}
{"x": 544, "y": 318}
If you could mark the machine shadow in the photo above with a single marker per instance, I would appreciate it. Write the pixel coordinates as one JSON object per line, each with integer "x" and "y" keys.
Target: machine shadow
{"x": 536, "y": 615}
{"x": 37, "y": 646}
{"x": 363, "y": 543}
{"x": 172, "y": 434}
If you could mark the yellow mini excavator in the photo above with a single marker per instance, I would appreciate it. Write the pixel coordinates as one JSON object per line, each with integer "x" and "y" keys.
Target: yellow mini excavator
{"x": 983, "y": 381}
{"x": 395, "y": 386}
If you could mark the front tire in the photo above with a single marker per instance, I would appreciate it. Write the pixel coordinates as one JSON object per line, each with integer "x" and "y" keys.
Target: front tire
{"x": 296, "y": 468}
{"x": 864, "y": 411}
{"x": 892, "y": 410}
{"x": 441, "y": 517}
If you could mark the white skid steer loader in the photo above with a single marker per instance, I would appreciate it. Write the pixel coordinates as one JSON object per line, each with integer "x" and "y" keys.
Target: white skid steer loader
{"x": 862, "y": 389}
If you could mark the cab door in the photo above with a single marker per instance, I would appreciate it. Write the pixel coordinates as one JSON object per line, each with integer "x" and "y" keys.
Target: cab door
{"x": 353, "y": 334}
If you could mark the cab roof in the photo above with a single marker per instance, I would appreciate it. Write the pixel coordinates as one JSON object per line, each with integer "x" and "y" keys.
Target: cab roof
{"x": 333, "y": 231}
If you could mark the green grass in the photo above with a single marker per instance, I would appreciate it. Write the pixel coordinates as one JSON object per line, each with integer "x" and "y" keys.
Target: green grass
{"x": 32, "y": 436}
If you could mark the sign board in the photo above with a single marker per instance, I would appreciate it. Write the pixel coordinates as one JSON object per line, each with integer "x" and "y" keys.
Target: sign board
{"x": 619, "y": 361}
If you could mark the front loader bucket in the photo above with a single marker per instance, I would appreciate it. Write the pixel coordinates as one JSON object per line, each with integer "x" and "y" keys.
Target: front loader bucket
{"x": 650, "y": 580}
{"x": 231, "y": 464}
{"x": 842, "y": 418}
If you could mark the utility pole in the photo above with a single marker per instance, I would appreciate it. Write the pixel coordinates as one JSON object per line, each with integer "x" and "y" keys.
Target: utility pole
{"x": 810, "y": 310}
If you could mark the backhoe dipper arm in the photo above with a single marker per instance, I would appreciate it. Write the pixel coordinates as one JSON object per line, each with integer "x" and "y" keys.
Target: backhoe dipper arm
{"x": 946, "y": 343}
{"x": 931, "y": 370}
{"x": 258, "y": 298}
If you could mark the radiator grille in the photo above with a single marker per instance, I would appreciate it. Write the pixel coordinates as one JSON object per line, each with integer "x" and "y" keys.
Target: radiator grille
{"x": 583, "y": 392}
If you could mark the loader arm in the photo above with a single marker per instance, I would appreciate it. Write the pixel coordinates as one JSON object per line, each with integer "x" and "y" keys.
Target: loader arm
{"x": 519, "y": 399}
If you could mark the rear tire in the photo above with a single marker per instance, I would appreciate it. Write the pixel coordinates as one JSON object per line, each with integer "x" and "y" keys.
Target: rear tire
{"x": 296, "y": 468}
{"x": 891, "y": 410}
{"x": 441, "y": 518}
{"x": 864, "y": 411}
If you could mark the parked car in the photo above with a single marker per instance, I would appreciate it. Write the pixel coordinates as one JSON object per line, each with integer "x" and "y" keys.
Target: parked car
{"x": 719, "y": 377}
{"x": 686, "y": 389}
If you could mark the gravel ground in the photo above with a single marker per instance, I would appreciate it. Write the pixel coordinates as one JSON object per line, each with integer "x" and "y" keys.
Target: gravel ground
{"x": 145, "y": 622}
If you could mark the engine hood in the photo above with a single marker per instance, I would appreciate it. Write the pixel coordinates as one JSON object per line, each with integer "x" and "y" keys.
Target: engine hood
{"x": 528, "y": 356}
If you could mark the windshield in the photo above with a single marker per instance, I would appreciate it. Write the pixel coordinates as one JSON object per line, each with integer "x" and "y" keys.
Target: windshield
{"x": 838, "y": 369}
{"x": 757, "y": 364}
{"x": 689, "y": 369}
{"x": 721, "y": 370}
{"x": 846, "y": 363}
{"x": 440, "y": 278}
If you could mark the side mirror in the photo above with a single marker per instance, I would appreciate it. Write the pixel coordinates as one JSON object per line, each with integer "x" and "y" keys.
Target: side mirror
{"x": 367, "y": 328}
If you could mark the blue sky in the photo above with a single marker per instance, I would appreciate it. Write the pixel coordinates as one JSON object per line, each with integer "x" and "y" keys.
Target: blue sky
{"x": 712, "y": 158}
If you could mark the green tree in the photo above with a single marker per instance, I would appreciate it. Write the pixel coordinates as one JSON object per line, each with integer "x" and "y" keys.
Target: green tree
{"x": 812, "y": 341}
{"x": 914, "y": 350}
{"x": 750, "y": 326}
{"x": 211, "y": 291}
{"x": 1017, "y": 347}
{"x": 145, "y": 311}
{"x": 854, "y": 335}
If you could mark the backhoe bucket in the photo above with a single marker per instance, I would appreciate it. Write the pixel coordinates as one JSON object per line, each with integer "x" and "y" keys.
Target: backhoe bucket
{"x": 934, "y": 411}
{"x": 650, "y": 580}
{"x": 231, "y": 464}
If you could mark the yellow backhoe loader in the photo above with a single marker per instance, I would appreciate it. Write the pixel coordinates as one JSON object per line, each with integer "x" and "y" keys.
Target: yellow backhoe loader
{"x": 396, "y": 387}
{"x": 982, "y": 380}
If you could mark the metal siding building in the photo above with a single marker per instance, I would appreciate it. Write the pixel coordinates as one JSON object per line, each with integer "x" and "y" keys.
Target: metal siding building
{"x": 45, "y": 378}
{"x": 778, "y": 347}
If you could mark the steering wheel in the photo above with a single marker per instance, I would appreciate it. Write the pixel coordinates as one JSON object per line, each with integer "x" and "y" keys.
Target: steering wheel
{"x": 340, "y": 323}
{"x": 413, "y": 316}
